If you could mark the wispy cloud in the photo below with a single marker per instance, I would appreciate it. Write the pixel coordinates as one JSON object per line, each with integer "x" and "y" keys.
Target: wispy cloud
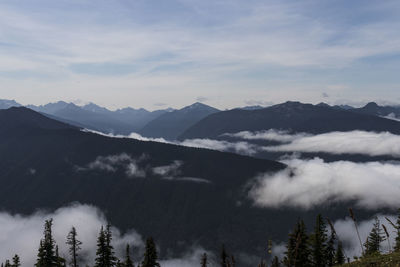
{"x": 113, "y": 163}
{"x": 309, "y": 183}
{"x": 354, "y": 142}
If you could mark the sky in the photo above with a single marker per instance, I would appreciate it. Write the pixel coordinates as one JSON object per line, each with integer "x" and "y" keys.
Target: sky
{"x": 225, "y": 53}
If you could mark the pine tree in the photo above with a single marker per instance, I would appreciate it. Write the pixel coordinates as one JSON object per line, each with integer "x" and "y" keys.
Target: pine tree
{"x": 298, "y": 253}
{"x": 110, "y": 258}
{"x": 373, "y": 243}
{"x": 128, "y": 262}
{"x": 7, "y": 264}
{"x": 318, "y": 242}
{"x": 150, "y": 254}
{"x": 339, "y": 256}
{"x": 16, "y": 261}
{"x": 275, "y": 262}
{"x": 100, "y": 260}
{"x": 46, "y": 254}
{"x": 204, "y": 260}
{"x": 224, "y": 257}
{"x": 74, "y": 246}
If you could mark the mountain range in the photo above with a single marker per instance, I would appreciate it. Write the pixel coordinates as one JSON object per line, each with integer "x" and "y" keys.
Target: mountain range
{"x": 181, "y": 196}
{"x": 170, "y": 125}
{"x": 290, "y": 116}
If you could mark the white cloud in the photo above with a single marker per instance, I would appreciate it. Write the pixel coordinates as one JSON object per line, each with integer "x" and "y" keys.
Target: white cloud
{"x": 21, "y": 234}
{"x": 353, "y": 142}
{"x": 220, "y": 145}
{"x": 270, "y": 135}
{"x": 173, "y": 172}
{"x": 392, "y": 116}
{"x": 307, "y": 183}
{"x": 168, "y": 170}
{"x": 112, "y": 163}
{"x": 237, "y": 147}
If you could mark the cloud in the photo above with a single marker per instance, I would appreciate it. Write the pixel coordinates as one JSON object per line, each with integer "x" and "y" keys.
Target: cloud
{"x": 237, "y": 147}
{"x": 21, "y": 234}
{"x": 270, "y": 135}
{"x": 325, "y": 95}
{"x": 220, "y": 145}
{"x": 347, "y": 234}
{"x": 168, "y": 170}
{"x": 391, "y": 116}
{"x": 353, "y": 142}
{"x": 112, "y": 163}
{"x": 173, "y": 172}
{"x": 308, "y": 183}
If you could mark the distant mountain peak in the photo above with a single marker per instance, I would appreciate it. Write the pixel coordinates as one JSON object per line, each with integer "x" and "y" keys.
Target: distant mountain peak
{"x": 6, "y": 103}
{"x": 323, "y": 104}
{"x": 371, "y": 105}
{"x": 198, "y": 106}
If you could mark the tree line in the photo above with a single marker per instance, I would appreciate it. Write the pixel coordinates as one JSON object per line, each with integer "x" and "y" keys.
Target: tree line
{"x": 321, "y": 247}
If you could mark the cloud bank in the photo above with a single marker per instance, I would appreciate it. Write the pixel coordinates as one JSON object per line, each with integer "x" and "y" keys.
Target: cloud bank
{"x": 269, "y": 135}
{"x": 354, "y": 142}
{"x": 307, "y": 183}
{"x": 220, "y": 145}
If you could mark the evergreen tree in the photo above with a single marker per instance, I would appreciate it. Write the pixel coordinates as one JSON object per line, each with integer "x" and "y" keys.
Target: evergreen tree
{"x": 318, "y": 242}
{"x": 16, "y": 261}
{"x": 275, "y": 262}
{"x": 74, "y": 246}
{"x": 110, "y": 258}
{"x": 46, "y": 253}
{"x": 339, "y": 256}
{"x": 128, "y": 262}
{"x": 397, "y": 227}
{"x": 7, "y": 264}
{"x": 373, "y": 243}
{"x": 204, "y": 260}
{"x": 330, "y": 250}
{"x": 150, "y": 254}
{"x": 298, "y": 253}
{"x": 100, "y": 260}
{"x": 224, "y": 257}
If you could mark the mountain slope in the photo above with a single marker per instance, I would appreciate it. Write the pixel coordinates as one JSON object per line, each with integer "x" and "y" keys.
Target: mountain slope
{"x": 170, "y": 125}
{"x": 147, "y": 186}
{"x": 383, "y": 111}
{"x": 291, "y": 116}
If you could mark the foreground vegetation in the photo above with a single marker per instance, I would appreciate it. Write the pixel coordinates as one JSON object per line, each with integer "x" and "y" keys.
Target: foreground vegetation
{"x": 320, "y": 248}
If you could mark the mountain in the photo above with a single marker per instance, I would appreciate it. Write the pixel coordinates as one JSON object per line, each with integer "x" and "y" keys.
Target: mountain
{"x": 170, "y": 125}
{"x": 291, "y": 116}
{"x": 94, "y": 117}
{"x": 5, "y": 104}
{"x": 373, "y": 108}
{"x": 147, "y": 186}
